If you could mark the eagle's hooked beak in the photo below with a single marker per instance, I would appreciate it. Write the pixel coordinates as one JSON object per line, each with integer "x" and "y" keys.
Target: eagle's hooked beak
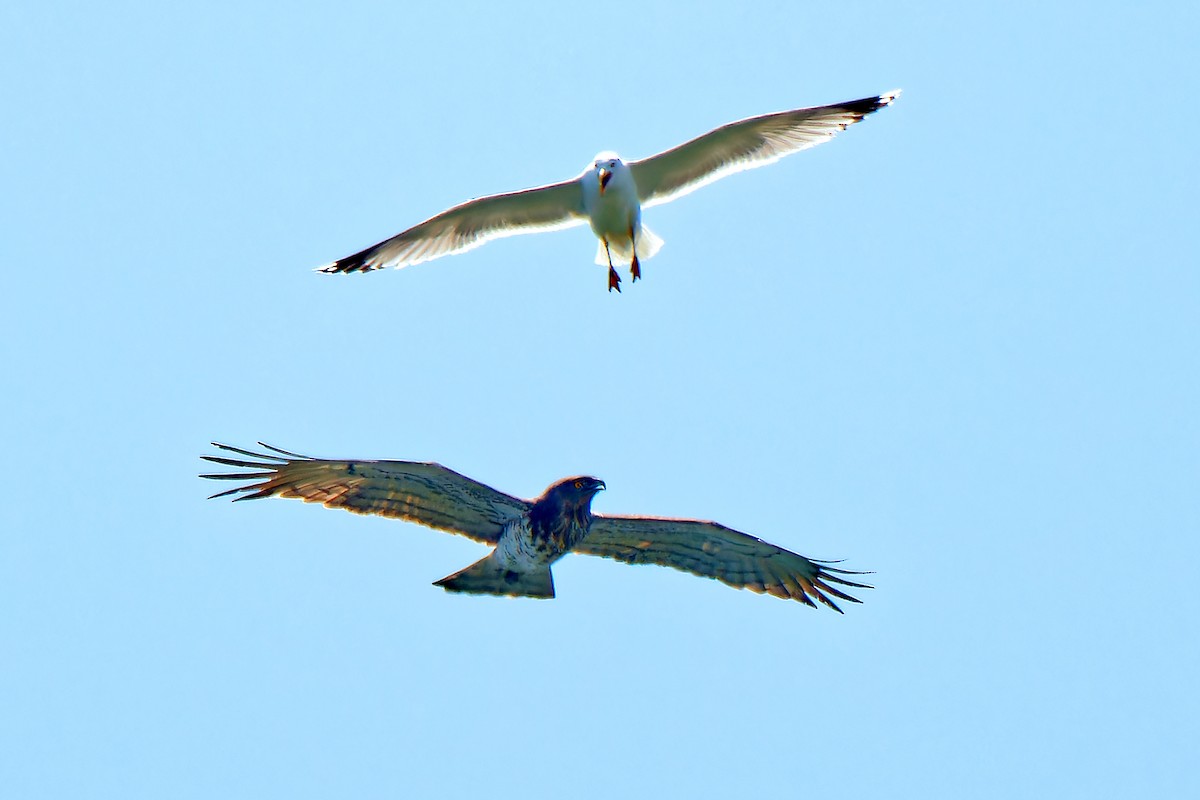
{"x": 605, "y": 177}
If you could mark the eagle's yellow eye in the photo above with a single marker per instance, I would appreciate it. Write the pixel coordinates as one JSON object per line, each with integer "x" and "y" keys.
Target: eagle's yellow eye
{"x": 578, "y": 484}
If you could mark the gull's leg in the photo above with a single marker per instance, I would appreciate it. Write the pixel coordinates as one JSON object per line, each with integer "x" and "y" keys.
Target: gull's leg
{"x": 614, "y": 280}
{"x": 635, "y": 267}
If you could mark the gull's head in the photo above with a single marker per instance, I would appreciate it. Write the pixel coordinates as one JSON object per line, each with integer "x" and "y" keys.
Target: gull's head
{"x": 606, "y": 164}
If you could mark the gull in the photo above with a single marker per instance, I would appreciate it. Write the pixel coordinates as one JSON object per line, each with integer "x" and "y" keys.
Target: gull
{"x": 610, "y": 193}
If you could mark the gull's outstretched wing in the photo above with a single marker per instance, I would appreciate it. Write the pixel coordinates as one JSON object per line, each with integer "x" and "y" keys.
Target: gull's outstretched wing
{"x": 470, "y": 224}
{"x": 743, "y": 145}
{"x": 426, "y": 493}
{"x": 714, "y": 551}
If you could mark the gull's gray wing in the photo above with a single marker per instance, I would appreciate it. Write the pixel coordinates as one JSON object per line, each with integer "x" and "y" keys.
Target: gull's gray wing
{"x": 427, "y": 493}
{"x": 743, "y": 145}
{"x": 470, "y": 224}
{"x": 714, "y": 551}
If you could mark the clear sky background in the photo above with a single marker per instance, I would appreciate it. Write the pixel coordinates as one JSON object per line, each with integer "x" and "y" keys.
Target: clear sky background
{"x": 958, "y": 345}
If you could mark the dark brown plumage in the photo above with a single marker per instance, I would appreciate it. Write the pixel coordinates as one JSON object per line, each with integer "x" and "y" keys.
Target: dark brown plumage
{"x": 530, "y": 535}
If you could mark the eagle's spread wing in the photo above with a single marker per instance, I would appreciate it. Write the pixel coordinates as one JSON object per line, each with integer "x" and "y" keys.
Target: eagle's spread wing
{"x": 743, "y": 145}
{"x": 470, "y": 224}
{"x": 714, "y": 551}
{"x": 426, "y": 493}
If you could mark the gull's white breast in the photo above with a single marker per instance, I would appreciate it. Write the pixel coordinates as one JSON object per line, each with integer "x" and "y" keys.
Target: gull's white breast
{"x": 613, "y": 212}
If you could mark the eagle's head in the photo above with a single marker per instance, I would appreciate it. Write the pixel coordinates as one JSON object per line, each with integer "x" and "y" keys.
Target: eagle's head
{"x": 567, "y": 505}
{"x": 571, "y": 496}
{"x": 575, "y": 492}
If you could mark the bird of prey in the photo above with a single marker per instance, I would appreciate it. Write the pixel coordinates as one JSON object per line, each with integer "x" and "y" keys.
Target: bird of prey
{"x": 610, "y": 193}
{"x": 530, "y": 535}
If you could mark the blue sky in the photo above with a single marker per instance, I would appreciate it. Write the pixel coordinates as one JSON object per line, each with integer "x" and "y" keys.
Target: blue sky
{"x": 957, "y": 346}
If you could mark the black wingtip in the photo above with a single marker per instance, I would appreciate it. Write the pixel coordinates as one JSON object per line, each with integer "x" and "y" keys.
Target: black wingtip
{"x": 355, "y": 263}
{"x": 869, "y": 105}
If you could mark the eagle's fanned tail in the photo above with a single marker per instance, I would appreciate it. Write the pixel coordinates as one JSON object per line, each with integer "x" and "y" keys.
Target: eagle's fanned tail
{"x": 489, "y": 575}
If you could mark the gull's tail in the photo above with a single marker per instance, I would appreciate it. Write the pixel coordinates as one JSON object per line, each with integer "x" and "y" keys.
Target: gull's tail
{"x": 648, "y": 244}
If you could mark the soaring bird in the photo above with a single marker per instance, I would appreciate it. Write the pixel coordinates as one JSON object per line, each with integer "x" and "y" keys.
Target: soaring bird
{"x": 530, "y": 535}
{"x": 610, "y": 193}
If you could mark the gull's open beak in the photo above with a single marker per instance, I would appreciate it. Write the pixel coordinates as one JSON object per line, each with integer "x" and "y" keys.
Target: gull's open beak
{"x": 605, "y": 177}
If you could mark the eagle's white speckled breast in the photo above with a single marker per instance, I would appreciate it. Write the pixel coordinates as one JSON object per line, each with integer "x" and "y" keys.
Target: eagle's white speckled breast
{"x": 518, "y": 550}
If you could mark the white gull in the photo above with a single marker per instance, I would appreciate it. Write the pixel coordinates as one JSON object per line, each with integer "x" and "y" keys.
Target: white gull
{"x": 610, "y": 194}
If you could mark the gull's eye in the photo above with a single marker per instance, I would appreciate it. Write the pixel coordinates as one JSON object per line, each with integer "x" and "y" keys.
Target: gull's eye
{"x": 578, "y": 484}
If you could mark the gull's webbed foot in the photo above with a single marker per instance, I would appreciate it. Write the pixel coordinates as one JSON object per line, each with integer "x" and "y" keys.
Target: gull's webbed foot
{"x": 614, "y": 280}
{"x": 635, "y": 268}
